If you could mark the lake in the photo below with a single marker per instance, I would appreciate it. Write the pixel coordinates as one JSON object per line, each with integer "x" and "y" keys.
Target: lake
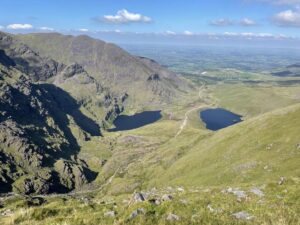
{"x": 137, "y": 120}
{"x": 219, "y": 118}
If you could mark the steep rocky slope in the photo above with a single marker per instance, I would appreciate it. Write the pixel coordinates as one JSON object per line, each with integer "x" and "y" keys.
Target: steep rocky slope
{"x": 46, "y": 109}
{"x": 146, "y": 83}
{"x": 37, "y": 148}
{"x": 98, "y": 102}
{"x": 54, "y": 101}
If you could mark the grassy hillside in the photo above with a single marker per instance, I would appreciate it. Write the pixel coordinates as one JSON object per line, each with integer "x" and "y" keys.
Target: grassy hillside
{"x": 244, "y": 174}
{"x": 248, "y": 170}
{"x": 256, "y": 151}
{"x": 250, "y": 153}
{"x": 252, "y": 100}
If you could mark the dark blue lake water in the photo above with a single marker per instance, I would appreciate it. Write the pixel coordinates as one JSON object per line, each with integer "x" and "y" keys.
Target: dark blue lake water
{"x": 216, "y": 119}
{"x": 124, "y": 122}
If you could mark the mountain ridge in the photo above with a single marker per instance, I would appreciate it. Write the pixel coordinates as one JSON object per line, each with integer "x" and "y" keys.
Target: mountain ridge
{"x": 49, "y": 108}
{"x": 113, "y": 67}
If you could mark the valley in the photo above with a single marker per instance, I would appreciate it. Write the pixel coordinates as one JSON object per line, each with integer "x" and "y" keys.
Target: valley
{"x": 139, "y": 151}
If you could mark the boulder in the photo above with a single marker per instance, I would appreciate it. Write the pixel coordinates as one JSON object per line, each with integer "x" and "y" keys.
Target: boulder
{"x": 110, "y": 214}
{"x": 213, "y": 210}
{"x": 136, "y": 212}
{"x": 281, "y": 181}
{"x": 237, "y": 192}
{"x": 154, "y": 201}
{"x": 180, "y": 189}
{"x": 242, "y": 216}
{"x": 172, "y": 217}
{"x": 166, "y": 198}
{"x": 139, "y": 197}
{"x": 257, "y": 192}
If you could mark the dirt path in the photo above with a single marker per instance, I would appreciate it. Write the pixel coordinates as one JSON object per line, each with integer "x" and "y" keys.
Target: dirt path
{"x": 186, "y": 115}
{"x": 186, "y": 118}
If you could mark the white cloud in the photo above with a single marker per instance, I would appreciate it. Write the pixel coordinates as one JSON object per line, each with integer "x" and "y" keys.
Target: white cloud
{"x": 248, "y": 22}
{"x": 1, "y": 27}
{"x": 249, "y": 35}
{"x": 280, "y": 2}
{"x": 288, "y": 18}
{"x": 265, "y": 35}
{"x": 46, "y": 28}
{"x": 230, "y": 34}
{"x": 170, "y": 32}
{"x": 17, "y": 26}
{"x": 83, "y": 30}
{"x": 287, "y": 2}
{"x": 221, "y": 22}
{"x": 123, "y": 16}
{"x": 188, "y": 33}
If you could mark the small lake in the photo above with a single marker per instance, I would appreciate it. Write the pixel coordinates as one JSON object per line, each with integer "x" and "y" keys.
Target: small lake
{"x": 216, "y": 119}
{"x": 137, "y": 120}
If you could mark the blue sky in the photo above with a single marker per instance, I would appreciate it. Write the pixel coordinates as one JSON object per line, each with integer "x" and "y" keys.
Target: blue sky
{"x": 248, "y": 19}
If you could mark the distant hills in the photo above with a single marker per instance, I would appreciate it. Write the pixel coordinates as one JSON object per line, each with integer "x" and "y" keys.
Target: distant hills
{"x": 289, "y": 71}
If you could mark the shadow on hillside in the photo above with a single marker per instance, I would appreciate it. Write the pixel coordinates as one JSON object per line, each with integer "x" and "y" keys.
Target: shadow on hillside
{"x": 66, "y": 105}
{"x": 42, "y": 112}
{"x": 5, "y": 60}
{"x": 69, "y": 106}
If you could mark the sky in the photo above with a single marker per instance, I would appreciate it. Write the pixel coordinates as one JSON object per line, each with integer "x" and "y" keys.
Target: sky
{"x": 165, "y": 21}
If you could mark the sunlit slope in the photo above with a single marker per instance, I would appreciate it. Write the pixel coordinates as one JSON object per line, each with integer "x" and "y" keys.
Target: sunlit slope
{"x": 253, "y": 100}
{"x": 259, "y": 150}
{"x": 146, "y": 82}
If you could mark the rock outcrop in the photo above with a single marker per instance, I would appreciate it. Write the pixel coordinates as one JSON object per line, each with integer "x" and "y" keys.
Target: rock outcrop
{"x": 39, "y": 99}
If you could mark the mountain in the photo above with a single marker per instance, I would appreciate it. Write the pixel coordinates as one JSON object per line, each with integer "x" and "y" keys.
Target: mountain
{"x": 47, "y": 108}
{"x": 83, "y": 87}
{"x": 54, "y": 110}
{"x": 58, "y": 95}
{"x": 143, "y": 80}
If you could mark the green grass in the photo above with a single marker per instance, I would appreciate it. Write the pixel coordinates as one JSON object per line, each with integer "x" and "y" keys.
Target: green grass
{"x": 278, "y": 206}
{"x": 250, "y": 100}
{"x": 203, "y": 162}
{"x": 254, "y": 153}
{"x": 238, "y": 154}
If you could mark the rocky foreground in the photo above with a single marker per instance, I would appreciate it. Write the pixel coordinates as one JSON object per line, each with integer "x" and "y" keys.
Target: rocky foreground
{"x": 267, "y": 204}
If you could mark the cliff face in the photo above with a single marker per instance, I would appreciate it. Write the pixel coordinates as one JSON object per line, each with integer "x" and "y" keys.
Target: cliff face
{"x": 41, "y": 101}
